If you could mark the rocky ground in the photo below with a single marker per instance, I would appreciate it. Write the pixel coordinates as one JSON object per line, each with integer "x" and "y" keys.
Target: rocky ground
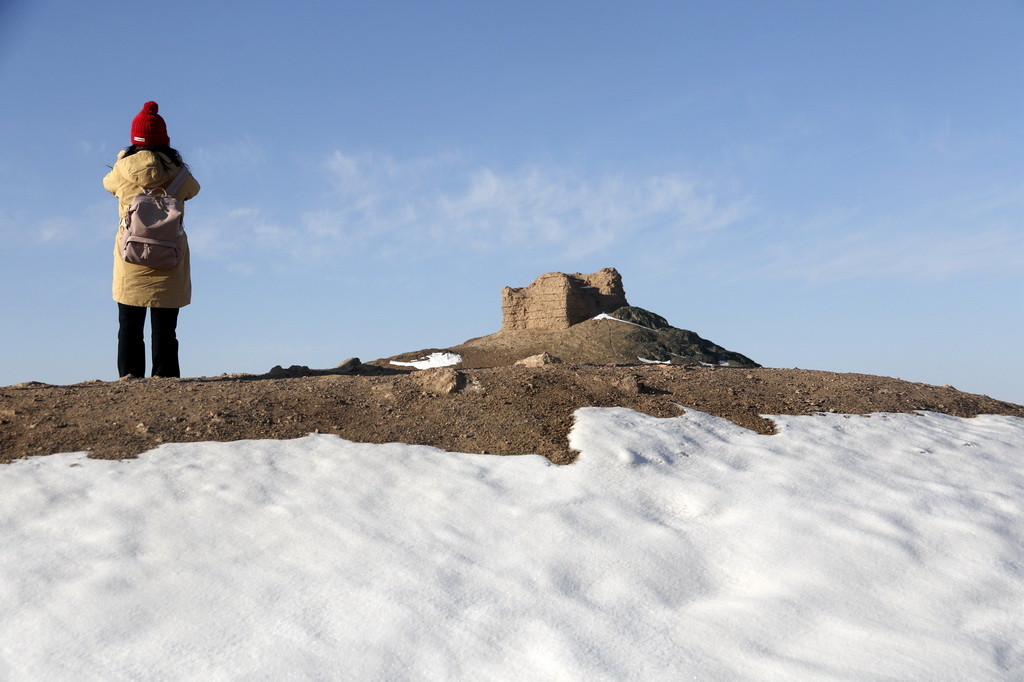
{"x": 498, "y": 410}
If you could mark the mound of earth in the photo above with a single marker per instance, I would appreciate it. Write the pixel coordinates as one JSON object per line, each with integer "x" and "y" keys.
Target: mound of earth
{"x": 626, "y": 336}
{"x": 498, "y": 409}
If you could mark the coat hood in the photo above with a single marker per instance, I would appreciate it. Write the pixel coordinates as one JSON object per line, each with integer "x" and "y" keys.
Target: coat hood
{"x": 146, "y": 169}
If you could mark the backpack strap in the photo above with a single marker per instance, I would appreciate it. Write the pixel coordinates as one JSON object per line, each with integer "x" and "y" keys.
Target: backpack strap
{"x": 177, "y": 181}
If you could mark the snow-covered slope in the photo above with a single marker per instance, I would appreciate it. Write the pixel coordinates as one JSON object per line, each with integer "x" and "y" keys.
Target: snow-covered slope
{"x": 842, "y": 548}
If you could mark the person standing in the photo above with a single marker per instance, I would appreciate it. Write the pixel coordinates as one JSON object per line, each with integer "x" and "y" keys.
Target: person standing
{"x": 147, "y": 163}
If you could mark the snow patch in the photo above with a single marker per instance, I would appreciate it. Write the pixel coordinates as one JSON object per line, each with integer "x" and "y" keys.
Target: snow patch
{"x": 653, "y": 362}
{"x": 444, "y": 359}
{"x": 606, "y": 316}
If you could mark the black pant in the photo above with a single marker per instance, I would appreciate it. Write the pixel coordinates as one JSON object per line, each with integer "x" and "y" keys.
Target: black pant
{"x": 131, "y": 344}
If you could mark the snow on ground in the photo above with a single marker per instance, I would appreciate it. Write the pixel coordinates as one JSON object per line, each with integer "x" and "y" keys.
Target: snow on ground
{"x": 606, "y": 316}
{"x": 888, "y": 547}
{"x": 444, "y": 359}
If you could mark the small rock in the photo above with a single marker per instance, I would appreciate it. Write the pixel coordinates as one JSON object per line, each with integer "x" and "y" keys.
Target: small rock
{"x": 292, "y": 371}
{"x": 538, "y": 360}
{"x": 627, "y": 384}
{"x": 348, "y": 365}
{"x": 441, "y": 380}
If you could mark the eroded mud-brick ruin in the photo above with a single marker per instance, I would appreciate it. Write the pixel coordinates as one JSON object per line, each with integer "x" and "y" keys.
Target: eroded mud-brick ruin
{"x": 557, "y": 301}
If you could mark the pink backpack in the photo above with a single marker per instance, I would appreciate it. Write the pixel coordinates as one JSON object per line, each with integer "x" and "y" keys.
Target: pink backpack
{"x": 154, "y": 235}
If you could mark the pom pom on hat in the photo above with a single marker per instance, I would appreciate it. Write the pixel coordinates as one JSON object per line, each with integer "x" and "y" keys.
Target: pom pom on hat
{"x": 148, "y": 127}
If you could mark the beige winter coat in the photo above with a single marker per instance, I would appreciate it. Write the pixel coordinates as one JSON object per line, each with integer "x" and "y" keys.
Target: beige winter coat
{"x": 139, "y": 285}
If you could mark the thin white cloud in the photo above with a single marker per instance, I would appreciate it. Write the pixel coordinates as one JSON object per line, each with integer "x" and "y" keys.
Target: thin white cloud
{"x": 447, "y": 203}
{"x": 91, "y": 223}
{"x": 230, "y": 156}
{"x": 423, "y": 207}
{"x": 967, "y": 234}
{"x": 92, "y": 148}
{"x": 241, "y": 237}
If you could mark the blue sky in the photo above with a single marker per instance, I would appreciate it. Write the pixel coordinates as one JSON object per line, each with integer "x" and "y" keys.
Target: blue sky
{"x": 835, "y": 186}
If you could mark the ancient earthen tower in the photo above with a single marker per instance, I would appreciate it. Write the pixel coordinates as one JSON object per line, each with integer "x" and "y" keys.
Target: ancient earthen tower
{"x": 557, "y": 301}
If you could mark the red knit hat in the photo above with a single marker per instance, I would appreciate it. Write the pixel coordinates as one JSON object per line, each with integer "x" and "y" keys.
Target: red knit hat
{"x": 148, "y": 128}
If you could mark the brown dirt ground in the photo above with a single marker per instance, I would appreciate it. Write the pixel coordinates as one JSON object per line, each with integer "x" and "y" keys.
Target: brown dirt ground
{"x": 498, "y": 410}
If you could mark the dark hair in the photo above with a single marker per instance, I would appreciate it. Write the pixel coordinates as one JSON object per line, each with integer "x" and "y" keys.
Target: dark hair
{"x": 162, "y": 149}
